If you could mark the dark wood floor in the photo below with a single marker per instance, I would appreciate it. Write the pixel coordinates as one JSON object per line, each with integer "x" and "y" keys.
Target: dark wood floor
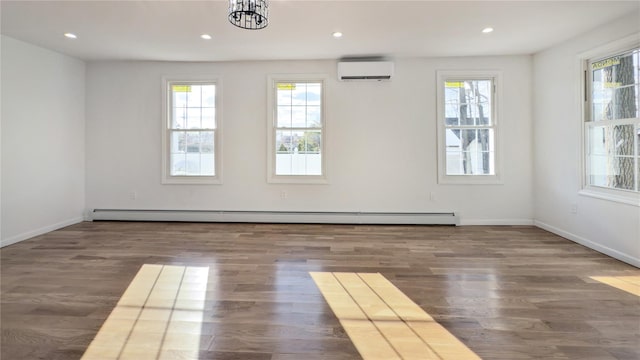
{"x": 506, "y": 292}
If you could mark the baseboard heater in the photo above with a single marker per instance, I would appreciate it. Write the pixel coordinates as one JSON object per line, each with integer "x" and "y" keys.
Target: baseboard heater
{"x": 445, "y": 218}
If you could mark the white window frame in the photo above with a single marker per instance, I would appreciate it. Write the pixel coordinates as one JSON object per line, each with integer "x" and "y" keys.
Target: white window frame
{"x": 167, "y": 178}
{"x": 610, "y": 49}
{"x": 272, "y": 177}
{"x": 461, "y": 75}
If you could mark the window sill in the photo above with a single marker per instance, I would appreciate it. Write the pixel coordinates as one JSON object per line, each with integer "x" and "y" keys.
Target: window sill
{"x": 612, "y": 195}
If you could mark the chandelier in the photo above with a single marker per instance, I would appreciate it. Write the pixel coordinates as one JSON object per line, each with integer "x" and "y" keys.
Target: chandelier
{"x": 249, "y": 14}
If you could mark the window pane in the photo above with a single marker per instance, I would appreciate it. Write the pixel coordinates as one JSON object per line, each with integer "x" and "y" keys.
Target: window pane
{"x": 597, "y": 140}
{"x": 484, "y": 114}
{"x": 623, "y": 139}
{"x": 193, "y": 164}
{"x": 452, "y": 115}
{"x": 207, "y": 162}
{"x": 209, "y": 96}
{"x": 179, "y": 96}
{"x": 453, "y": 141}
{"x": 313, "y": 117}
{"x": 470, "y": 151}
{"x": 485, "y": 139}
{"x": 208, "y": 118}
{"x": 207, "y": 142}
{"x": 468, "y": 102}
{"x": 178, "y": 164}
{"x": 284, "y": 116}
{"x": 299, "y": 94}
{"x": 193, "y": 118}
{"x": 193, "y": 142}
{"x": 314, "y": 94}
{"x": 298, "y": 152}
{"x": 611, "y": 160}
{"x": 284, "y": 93}
{"x": 178, "y": 142}
{"x": 179, "y": 118}
{"x": 454, "y": 163}
{"x": 194, "y": 96}
{"x": 622, "y": 176}
{"x": 298, "y": 116}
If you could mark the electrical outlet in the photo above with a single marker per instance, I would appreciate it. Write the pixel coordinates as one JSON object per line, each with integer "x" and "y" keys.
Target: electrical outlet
{"x": 432, "y": 196}
{"x": 283, "y": 195}
{"x": 574, "y": 208}
{"x": 133, "y": 195}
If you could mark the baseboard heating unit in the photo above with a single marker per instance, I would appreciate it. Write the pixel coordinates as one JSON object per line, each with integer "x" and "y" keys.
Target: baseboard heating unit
{"x": 401, "y": 218}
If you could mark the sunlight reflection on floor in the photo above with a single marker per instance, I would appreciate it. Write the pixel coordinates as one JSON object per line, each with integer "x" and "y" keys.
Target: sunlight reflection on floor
{"x": 383, "y": 323}
{"x": 630, "y": 284}
{"x": 158, "y": 317}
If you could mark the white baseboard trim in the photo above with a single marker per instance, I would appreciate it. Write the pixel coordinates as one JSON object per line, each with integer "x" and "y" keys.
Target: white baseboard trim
{"x": 498, "y": 222}
{"x": 277, "y": 217}
{"x": 43, "y": 230}
{"x": 590, "y": 244}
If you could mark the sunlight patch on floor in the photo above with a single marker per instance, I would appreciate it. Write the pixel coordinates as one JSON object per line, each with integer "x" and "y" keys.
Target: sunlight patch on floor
{"x": 630, "y": 284}
{"x": 158, "y": 317}
{"x": 383, "y": 323}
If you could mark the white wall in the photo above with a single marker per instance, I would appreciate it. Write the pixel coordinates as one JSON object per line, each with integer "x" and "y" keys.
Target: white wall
{"x": 381, "y": 141}
{"x": 43, "y": 141}
{"x": 610, "y": 227}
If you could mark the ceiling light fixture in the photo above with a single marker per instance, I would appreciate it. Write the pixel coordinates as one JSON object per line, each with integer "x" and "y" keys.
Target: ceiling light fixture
{"x": 206, "y": 36}
{"x": 70, "y": 35}
{"x": 487, "y": 30}
{"x": 249, "y": 14}
{"x": 337, "y": 34}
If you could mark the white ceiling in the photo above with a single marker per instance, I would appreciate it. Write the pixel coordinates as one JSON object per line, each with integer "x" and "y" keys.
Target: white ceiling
{"x": 170, "y": 30}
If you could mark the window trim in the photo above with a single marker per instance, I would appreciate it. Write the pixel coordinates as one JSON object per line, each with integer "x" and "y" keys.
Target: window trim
{"x": 166, "y": 178}
{"x": 453, "y": 75}
{"x": 611, "y": 48}
{"x": 272, "y": 177}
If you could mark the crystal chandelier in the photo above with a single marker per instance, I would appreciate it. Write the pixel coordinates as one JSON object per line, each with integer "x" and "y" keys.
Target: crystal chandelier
{"x": 249, "y": 14}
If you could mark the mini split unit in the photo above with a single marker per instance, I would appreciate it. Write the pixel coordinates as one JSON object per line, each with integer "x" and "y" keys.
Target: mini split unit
{"x": 365, "y": 70}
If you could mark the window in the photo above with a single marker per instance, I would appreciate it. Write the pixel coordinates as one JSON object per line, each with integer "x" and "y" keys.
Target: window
{"x": 467, "y": 127}
{"x": 612, "y": 124}
{"x": 296, "y": 139}
{"x": 191, "y": 133}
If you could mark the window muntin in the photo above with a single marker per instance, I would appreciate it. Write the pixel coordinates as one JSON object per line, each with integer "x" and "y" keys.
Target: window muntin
{"x": 297, "y": 133}
{"x": 191, "y": 132}
{"x": 467, "y": 128}
{"x": 612, "y": 125}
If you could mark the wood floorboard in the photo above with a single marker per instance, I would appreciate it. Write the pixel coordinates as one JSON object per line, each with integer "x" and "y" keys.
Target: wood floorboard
{"x": 506, "y": 292}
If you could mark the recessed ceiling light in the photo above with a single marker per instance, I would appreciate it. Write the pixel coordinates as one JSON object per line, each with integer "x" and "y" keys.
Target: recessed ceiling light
{"x": 487, "y": 30}
{"x": 206, "y": 36}
{"x": 70, "y": 35}
{"x": 337, "y": 34}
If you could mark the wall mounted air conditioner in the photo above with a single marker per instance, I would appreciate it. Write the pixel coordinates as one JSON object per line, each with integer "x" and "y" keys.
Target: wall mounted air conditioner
{"x": 365, "y": 70}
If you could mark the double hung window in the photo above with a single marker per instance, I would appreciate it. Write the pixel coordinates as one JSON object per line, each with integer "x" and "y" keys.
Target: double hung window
{"x": 612, "y": 123}
{"x": 296, "y": 138}
{"x": 191, "y": 132}
{"x": 467, "y": 127}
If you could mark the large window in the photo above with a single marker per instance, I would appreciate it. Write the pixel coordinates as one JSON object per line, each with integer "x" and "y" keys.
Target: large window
{"x": 191, "y": 132}
{"x": 296, "y": 139}
{"x": 467, "y": 127}
{"x": 612, "y": 123}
